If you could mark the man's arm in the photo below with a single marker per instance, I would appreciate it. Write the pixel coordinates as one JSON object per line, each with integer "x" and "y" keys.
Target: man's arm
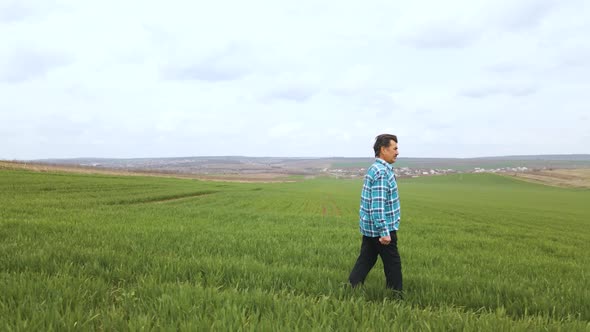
{"x": 379, "y": 189}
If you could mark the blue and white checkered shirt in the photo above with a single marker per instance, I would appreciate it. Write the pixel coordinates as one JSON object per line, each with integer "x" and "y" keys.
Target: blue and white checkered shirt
{"x": 380, "y": 209}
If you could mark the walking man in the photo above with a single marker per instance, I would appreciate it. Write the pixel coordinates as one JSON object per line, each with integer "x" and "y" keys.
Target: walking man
{"x": 380, "y": 217}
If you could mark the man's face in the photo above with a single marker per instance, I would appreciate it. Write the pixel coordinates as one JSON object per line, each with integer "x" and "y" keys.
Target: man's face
{"x": 389, "y": 154}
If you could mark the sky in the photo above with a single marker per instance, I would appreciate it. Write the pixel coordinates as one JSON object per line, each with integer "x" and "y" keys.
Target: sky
{"x": 278, "y": 78}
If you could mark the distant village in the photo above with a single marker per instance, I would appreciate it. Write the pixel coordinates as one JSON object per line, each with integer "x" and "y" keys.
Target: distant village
{"x": 331, "y": 167}
{"x": 416, "y": 172}
{"x": 248, "y": 167}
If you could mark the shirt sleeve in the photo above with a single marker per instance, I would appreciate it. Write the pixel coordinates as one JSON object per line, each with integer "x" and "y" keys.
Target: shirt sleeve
{"x": 379, "y": 190}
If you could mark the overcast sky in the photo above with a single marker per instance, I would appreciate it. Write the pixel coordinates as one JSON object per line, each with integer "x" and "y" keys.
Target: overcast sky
{"x": 131, "y": 78}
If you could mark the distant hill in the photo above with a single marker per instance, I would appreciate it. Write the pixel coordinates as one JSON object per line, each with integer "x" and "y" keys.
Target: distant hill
{"x": 464, "y": 164}
{"x": 567, "y": 157}
{"x": 250, "y": 165}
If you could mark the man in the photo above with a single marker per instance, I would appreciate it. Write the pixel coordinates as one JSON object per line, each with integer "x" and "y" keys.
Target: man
{"x": 380, "y": 217}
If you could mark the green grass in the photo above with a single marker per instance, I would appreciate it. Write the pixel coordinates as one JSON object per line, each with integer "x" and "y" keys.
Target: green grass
{"x": 479, "y": 252}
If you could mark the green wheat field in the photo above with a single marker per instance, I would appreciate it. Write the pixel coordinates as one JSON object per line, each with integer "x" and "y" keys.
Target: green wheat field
{"x": 480, "y": 252}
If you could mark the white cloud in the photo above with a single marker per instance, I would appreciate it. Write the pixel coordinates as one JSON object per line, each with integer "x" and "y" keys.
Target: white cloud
{"x": 508, "y": 89}
{"x": 29, "y": 65}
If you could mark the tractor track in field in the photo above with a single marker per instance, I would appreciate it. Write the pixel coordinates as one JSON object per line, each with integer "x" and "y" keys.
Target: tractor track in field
{"x": 173, "y": 199}
{"x": 161, "y": 200}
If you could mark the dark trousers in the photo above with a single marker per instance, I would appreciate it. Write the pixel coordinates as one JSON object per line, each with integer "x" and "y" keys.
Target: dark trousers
{"x": 392, "y": 264}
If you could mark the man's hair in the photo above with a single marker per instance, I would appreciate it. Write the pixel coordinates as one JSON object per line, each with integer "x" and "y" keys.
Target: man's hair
{"x": 383, "y": 140}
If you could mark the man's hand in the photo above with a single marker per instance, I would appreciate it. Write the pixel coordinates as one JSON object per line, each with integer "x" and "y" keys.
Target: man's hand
{"x": 385, "y": 240}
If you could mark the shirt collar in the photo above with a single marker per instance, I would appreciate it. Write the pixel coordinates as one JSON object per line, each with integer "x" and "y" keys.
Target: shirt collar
{"x": 379, "y": 160}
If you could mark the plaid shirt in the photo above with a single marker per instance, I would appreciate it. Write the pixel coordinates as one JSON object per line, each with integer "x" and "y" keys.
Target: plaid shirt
{"x": 380, "y": 209}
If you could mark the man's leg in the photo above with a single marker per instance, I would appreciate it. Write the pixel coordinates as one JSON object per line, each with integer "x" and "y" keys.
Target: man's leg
{"x": 392, "y": 264}
{"x": 364, "y": 262}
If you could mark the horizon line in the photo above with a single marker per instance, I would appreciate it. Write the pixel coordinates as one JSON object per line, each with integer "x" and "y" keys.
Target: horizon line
{"x": 299, "y": 157}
